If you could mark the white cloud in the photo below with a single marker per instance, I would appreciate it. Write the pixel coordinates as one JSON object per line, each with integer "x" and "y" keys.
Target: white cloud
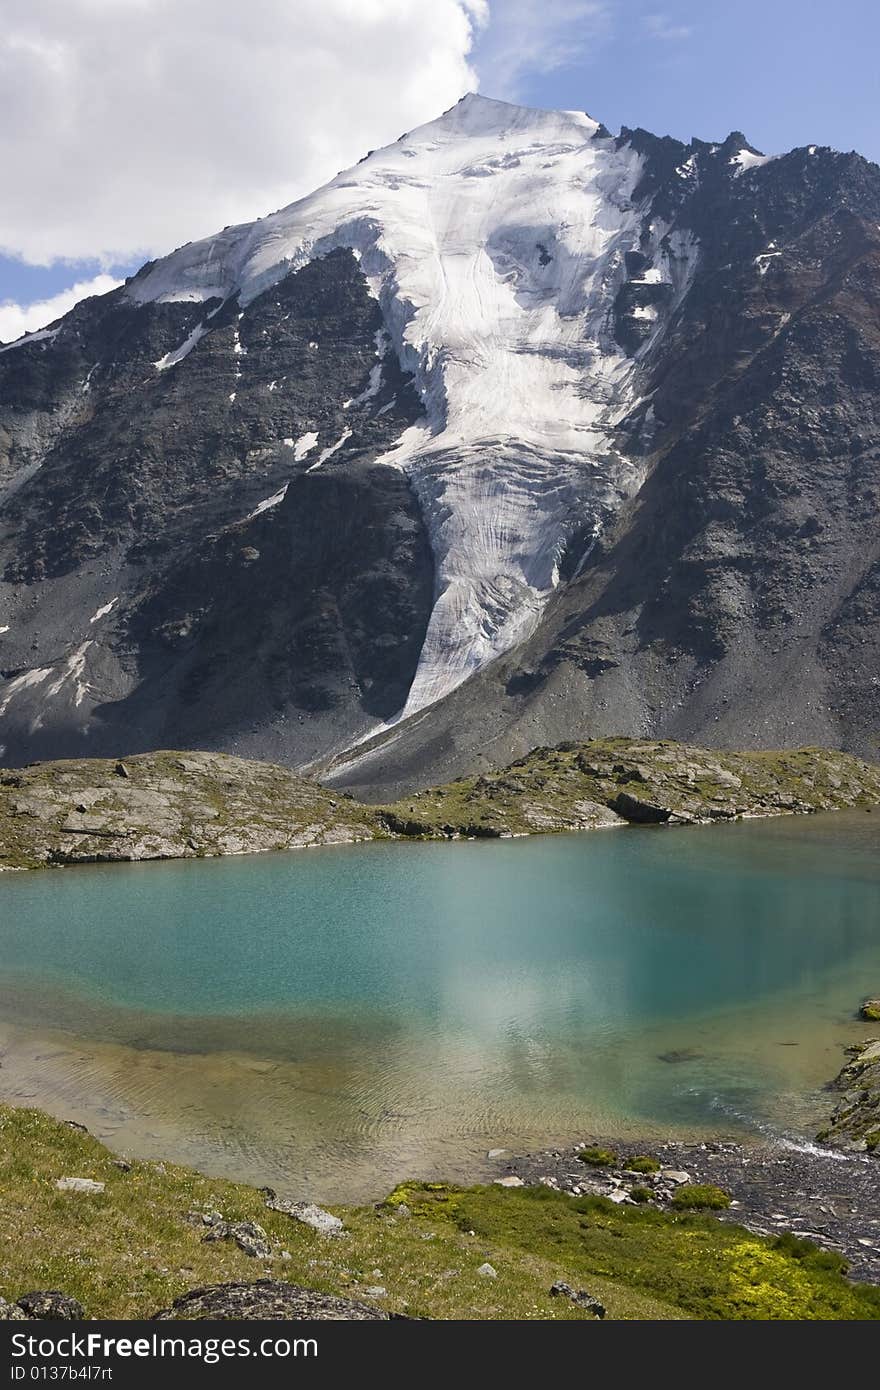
{"x": 660, "y": 26}
{"x": 17, "y": 319}
{"x": 536, "y": 37}
{"x": 130, "y": 126}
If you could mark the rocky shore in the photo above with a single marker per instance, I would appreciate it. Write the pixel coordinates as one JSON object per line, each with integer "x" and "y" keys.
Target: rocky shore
{"x": 171, "y": 805}
{"x": 823, "y": 1196}
{"x": 854, "y": 1126}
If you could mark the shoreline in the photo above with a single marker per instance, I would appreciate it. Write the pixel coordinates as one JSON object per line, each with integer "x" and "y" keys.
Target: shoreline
{"x": 173, "y": 805}
{"x": 799, "y": 1239}
{"x": 776, "y": 1185}
{"x": 823, "y": 1195}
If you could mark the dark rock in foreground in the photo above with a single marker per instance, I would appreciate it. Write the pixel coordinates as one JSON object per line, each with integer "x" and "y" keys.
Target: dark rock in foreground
{"x": 268, "y": 1299}
{"x": 51, "y": 1306}
{"x": 579, "y": 1296}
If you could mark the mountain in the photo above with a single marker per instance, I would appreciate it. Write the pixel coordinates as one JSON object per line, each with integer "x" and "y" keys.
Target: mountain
{"x": 515, "y": 432}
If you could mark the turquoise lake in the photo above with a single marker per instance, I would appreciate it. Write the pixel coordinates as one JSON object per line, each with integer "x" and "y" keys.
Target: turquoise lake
{"x": 330, "y": 1021}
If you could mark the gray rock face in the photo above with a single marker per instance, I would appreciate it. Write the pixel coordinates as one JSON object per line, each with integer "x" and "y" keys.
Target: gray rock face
{"x": 169, "y": 806}
{"x": 267, "y": 1299}
{"x": 86, "y": 1185}
{"x": 307, "y": 1214}
{"x": 855, "y": 1121}
{"x": 164, "y": 549}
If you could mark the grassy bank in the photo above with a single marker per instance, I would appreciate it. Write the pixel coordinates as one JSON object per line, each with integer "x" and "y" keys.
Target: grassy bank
{"x": 130, "y": 1250}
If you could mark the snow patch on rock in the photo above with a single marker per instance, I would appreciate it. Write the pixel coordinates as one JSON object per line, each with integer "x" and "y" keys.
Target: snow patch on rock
{"x": 331, "y": 449}
{"x": 171, "y": 359}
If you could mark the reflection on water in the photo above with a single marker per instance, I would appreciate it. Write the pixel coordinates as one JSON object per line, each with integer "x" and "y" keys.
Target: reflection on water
{"x": 332, "y": 1021}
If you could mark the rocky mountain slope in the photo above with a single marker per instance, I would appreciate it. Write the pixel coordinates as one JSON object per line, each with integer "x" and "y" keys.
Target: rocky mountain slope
{"x": 516, "y": 432}
{"x": 191, "y": 805}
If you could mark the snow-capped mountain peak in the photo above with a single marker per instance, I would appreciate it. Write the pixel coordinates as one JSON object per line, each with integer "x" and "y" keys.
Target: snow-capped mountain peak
{"x": 494, "y": 239}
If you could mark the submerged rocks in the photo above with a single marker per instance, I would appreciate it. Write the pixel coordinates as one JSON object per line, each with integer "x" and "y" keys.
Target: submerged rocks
{"x": 267, "y": 1300}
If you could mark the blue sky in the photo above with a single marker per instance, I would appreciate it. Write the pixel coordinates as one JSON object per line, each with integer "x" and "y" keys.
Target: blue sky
{"x": 786, "y": 72}
{"x": 103, "y": 187}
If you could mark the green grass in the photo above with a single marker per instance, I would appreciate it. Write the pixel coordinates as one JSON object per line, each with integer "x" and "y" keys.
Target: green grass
{"x": 700, "y": 1197}
{"x": 643, "y": 1163}
{"x": 130, "y": 1251}
{"x": 598, "y": 1158}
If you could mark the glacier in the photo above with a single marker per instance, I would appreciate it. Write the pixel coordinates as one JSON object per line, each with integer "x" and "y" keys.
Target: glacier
{"x": 494, "y": 240}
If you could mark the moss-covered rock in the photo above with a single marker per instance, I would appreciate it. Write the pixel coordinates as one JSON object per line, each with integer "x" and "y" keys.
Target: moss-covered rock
{"x": 167, "y": 805}
{"x": 700, "y": 1197}
{"x": 598, "y": 1158}
{"x": 640, "y": 1194}
{"x": 643, "y": 1163}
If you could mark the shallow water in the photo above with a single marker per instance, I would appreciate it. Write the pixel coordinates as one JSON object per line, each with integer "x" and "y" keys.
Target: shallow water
{"x": 331, "y": 1021}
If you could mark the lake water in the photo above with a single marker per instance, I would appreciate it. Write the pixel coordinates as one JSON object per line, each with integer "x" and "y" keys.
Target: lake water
{"x": 333, "y": 1020}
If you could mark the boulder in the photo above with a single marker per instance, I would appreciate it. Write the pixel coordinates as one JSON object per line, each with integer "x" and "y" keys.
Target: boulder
{"x": 580, "y": 1297}
{"x": 50, "y": 1305}
{"x": 267, "y": 1300}
{"x": 248, "y": 1236}
{"x": 324, "y": 1222}
{"x": 86, "y": 1185}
